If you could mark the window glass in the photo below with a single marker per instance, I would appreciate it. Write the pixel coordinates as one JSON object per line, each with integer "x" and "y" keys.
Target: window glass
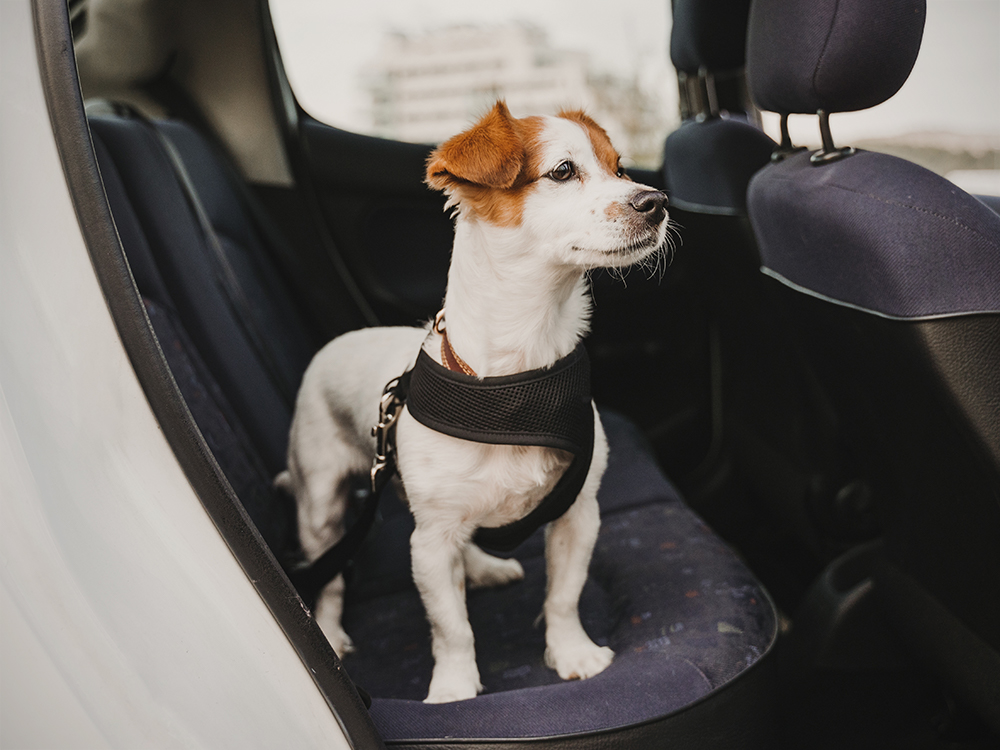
{"x": 946, "y": 117}
{"x": 421, "y": 71}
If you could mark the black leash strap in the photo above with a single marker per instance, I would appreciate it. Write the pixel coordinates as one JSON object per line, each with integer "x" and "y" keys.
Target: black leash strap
{"x": 309, "y": 580}
{"x": 550, "y": 408}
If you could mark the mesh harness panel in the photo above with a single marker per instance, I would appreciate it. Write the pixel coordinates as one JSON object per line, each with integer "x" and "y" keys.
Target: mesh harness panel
{"x": 550, "y": 408}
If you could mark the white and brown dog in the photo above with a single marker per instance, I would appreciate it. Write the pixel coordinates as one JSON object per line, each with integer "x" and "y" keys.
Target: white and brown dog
{"x": 538, "y": 202}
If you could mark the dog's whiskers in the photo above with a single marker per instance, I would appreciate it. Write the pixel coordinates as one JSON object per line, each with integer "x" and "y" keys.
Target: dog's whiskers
{"x": 666, "y": 252}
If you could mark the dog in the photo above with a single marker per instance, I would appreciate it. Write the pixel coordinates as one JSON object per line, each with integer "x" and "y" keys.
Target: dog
{"x": 538, "y": 202}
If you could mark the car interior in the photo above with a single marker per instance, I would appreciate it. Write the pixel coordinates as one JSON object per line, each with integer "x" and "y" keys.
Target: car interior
{"x": 801, "y": 512}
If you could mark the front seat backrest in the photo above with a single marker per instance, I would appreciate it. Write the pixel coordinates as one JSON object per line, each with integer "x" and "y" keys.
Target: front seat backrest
{"x": 892, "y": 274}
{"x": 708, "y": 161}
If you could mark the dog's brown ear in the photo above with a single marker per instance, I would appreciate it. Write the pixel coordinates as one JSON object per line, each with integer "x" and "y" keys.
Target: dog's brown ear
{"x": 489, "y": 154}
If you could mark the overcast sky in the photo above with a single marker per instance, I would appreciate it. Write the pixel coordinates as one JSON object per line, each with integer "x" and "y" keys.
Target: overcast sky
{"x": 326, "y": 44}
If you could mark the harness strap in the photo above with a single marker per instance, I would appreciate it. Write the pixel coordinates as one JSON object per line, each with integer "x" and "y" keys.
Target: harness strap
{"x": 449, "y": 357}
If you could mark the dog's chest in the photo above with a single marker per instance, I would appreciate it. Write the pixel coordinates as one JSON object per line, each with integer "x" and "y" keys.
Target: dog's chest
{"x": 474, "y": 483}
{"x": 513, "y": 480}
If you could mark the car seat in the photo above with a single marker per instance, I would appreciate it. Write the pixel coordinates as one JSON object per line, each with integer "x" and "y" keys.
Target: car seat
{"x": 710, "y": 158}
{"x": 891, "y": 276}
{"x": 692, "y": 627}
{"x": 770, "y": 455}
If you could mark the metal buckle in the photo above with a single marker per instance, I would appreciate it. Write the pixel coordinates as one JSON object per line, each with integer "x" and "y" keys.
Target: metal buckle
{"x": 384, "y": 433}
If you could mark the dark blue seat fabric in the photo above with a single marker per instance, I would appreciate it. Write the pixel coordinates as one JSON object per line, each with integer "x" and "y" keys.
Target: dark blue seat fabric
{"x": 834, "y": 55}
{"x": 685, "y": 615}
{"x": 682, "y": 612}
{"x": 709, "y": 160}
{"x": 878, "y": 233}
{"x": 709, "y": 34}
{"x": 891, "y": 275}
{"x": 708, "y": 164}
{"x": 180, "y": 270}
{"x": 151, "y": 212}
{"x": 991, "y": 201}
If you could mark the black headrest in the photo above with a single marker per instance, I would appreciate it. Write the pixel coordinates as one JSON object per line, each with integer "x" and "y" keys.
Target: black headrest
{"x": 834, "y": 55}
{"x": 709, "y": 34}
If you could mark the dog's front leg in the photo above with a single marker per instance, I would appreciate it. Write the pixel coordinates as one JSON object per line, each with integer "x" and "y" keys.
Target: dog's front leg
{"x": 439, "y": 573}
{"x": 569, "y": 544}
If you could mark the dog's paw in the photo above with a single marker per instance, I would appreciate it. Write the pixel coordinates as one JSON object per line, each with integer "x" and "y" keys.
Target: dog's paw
{"x": 448, "y": 686}
{"x": 578, "y": 661}
{"x": 334, "y": 633}
{"x": 342, "y": 644}
{"x": 491, "y": 572}
{"x": 340, "y": 641}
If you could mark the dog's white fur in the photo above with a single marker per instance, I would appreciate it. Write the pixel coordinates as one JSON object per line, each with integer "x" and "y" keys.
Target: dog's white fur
{"x": 517, "y": 299}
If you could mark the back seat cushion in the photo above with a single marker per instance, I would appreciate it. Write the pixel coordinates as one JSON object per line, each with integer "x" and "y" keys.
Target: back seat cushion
{"x": 878, "y": 233}
{"x": 272, "y": 513}
{"x": 683, "y": 614}
{"x": 244, "y": 241}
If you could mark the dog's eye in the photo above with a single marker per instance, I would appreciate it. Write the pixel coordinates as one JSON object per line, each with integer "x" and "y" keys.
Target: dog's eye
{"x": 563, "y": 172}
{"x": 620, "y": 172}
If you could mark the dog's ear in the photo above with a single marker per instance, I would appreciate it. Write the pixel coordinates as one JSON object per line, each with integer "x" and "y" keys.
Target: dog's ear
{"x": 489, "y": 154}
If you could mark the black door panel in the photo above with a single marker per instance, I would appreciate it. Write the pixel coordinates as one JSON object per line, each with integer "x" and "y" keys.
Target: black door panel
{"x": 389, "y": 227}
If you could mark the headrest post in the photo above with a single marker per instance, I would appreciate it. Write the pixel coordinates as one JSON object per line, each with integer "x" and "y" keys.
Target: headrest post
{"x": 785, "y": 148}
{"x": 786, "y": 139}
{"x": 684, "y": 95}
{"x": 824, "y": 130}
{"x": 709, "y": 97}
{"x": 829, "y": 152}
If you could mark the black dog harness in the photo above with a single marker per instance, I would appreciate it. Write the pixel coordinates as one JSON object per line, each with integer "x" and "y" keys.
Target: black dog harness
{"x": 549, "y": 407}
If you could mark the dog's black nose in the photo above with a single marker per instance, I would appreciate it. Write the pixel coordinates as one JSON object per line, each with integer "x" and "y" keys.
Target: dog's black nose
{"x": 653, "y": 203}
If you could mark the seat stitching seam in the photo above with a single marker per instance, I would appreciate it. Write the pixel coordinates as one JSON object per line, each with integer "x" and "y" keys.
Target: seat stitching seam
{"x": 887, "y": 201}
{"x": 822, "y": 54}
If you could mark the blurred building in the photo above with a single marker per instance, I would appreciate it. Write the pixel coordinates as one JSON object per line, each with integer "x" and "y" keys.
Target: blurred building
{"x": 427, "y": 87}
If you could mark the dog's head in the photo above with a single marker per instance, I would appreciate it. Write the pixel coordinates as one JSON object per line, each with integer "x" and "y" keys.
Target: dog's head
{"x": 557, "y": 181}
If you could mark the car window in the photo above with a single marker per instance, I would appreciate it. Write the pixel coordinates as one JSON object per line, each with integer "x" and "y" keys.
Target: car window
{"x": 421, "y": 71}
{"x": 946, "y": 117}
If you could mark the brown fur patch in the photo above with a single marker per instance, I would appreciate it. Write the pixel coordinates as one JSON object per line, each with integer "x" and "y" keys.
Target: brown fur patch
{"x": 491, "y": 167}
{"x": 490, "y": 153}
{"x": 606, "y": 153}
{"x": 614, "y": 211}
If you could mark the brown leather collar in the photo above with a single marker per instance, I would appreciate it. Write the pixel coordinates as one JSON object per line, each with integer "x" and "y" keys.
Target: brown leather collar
{"x": 449, "y": 357}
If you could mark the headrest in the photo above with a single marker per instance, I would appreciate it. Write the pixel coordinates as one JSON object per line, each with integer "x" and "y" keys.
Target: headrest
{"x": 834, "y": 55}
{"x": 124, "y": 44}
{"x": 710, "y": 34}
{"x": 707, "y": 165}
